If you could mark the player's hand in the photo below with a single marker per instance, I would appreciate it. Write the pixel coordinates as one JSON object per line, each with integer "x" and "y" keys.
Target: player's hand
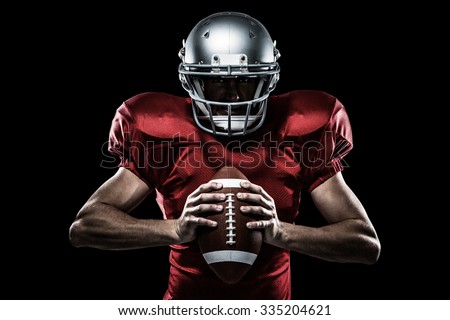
{"x": 263, "y": 205}
{"x": 198, "y": 205}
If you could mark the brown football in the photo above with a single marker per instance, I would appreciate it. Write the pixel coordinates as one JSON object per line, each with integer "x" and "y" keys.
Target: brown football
{"x": 231, "y": 248}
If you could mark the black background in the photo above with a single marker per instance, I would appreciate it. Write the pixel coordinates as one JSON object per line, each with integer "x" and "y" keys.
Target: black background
{"x": 83, "y": 61}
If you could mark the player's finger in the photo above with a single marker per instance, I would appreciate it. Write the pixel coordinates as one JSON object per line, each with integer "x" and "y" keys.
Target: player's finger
{"x": 261, "y": 211}
{"x": 261, "y": 224}
{"x": 255, "y": 198}
{"x": 206, "y": 187}
{"x": 208, "y": 198}
{"x": 204, "y": 208}
{"x": 199, "y": 221}
{"x": 255, "y": 189}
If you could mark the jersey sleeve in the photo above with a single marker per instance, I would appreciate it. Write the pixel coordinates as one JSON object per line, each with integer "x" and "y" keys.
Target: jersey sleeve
{"x": 325, "y": 157}
{"x": 125, "y": 142}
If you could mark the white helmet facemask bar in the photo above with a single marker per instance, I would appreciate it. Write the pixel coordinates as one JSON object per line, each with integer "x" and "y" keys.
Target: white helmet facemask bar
{"x": 252, "y": 113}
{"x": 229, "y": 124}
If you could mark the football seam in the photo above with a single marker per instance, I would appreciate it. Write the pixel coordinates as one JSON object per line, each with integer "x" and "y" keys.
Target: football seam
{"x": 231, "y": 222}
{"x": 230, "y": 213}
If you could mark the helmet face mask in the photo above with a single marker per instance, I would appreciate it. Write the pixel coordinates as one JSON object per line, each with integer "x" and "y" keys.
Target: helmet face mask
{"x": 229, "y": 69}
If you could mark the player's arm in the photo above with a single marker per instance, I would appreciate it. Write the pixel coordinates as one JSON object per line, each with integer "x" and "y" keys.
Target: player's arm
{"x": 103, "y": 222}
{"x": 348, "y": 237}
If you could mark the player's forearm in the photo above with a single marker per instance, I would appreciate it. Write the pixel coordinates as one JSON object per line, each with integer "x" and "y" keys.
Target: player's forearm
{"x": 106, "y": 227}
{"x": 350, "y": 240}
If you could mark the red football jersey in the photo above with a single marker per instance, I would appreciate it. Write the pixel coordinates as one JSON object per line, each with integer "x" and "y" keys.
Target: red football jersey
{"x": 301, "y": 144}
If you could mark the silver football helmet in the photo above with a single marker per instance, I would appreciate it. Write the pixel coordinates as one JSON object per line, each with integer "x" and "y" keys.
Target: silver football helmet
{"x": 229, "y": 45}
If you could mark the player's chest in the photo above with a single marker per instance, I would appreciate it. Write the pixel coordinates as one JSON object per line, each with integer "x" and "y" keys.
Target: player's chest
{"x": 271, "y": 166}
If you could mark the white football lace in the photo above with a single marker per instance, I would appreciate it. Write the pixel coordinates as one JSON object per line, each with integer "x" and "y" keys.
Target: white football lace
{"x": 230, "y": 221}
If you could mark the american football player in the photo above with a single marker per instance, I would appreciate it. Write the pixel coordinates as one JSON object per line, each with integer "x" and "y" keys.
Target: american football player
{"x": 286, "y": 144}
